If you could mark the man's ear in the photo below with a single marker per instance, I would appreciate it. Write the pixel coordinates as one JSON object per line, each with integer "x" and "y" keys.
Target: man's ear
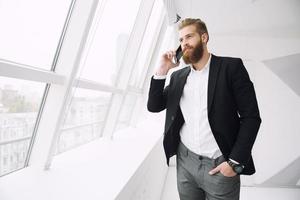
{"x": 204, "y": 37}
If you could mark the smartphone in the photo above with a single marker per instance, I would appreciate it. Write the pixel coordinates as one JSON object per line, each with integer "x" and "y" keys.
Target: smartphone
{"x": 178, "y": 54}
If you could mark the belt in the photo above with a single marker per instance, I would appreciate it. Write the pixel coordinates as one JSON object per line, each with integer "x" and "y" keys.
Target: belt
{"x": 186, "y": 152}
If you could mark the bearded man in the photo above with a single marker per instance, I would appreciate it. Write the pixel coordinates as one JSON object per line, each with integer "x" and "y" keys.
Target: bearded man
{"x": 212, "y": 117}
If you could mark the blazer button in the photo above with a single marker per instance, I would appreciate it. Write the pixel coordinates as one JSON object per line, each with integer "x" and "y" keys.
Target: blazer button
{"x": 172, "y": 118}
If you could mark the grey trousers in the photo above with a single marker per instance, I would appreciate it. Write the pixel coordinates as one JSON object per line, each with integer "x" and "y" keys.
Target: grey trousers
{"x": 194, "y": 182}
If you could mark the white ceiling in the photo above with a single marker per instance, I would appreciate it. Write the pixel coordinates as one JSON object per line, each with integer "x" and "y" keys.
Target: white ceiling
{"x": 243, "y": 17}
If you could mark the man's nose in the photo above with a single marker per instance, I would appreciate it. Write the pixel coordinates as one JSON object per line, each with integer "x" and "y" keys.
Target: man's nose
{"x": 184, "y": 45}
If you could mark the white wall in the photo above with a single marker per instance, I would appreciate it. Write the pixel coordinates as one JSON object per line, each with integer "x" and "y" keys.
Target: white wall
{"x": 278, "y": 137}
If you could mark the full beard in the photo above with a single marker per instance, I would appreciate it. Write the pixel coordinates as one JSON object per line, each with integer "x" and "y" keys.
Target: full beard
{"x": 195, "y": 54}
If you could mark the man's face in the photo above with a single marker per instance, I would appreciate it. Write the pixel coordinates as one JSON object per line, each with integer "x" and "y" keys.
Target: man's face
{"x": 191, "y": 44}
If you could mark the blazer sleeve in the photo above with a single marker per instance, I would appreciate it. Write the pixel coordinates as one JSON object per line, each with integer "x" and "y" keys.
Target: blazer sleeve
{"x": 244, "y": 95}
{"x": 157, "y": 97}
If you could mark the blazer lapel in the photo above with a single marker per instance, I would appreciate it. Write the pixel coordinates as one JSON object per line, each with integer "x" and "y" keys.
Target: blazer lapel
{"x": 179, "y": 84}
{"x": 177, "y": 89}
{"x": 212, "y": 80}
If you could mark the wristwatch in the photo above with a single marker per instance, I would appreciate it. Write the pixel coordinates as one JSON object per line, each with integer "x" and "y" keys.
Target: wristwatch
{"x": 237, "y": 168}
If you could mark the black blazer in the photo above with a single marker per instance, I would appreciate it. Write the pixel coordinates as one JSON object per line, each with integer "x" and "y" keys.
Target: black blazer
{"x": 233, "y": 113}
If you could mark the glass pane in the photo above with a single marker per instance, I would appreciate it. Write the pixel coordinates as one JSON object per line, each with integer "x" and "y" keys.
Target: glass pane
{"x": 126, "y": 111}
{"x": 144, "y": 55}
{"x": 84, "y": 118}
{"x": 30, "y": 30}
{"x": 19, "y": 105}
{"x": 13, "y": 156}
{"x": 110, "y": 40}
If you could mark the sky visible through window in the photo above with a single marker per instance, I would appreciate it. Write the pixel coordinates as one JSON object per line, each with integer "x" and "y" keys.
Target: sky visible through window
{"x": 30, "y": 30}
{"x": 107, "y": 48}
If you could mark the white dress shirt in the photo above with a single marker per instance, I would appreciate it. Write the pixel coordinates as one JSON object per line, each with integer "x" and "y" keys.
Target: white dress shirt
{"x": 196, "y": 133}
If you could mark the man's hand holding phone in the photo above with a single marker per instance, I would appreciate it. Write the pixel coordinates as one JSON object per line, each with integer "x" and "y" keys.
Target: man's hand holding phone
{"x": 169, "y": 60}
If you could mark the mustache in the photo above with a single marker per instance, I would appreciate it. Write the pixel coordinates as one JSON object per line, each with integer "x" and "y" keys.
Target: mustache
{"x": 187, "y": 47}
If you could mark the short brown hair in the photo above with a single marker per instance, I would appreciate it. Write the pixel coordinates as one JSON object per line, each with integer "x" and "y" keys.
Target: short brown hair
{"x": 198, "y": 23}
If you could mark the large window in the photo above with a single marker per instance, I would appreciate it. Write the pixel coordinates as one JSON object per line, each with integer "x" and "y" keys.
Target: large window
{"x": 19, "y": 105}
{"x": 31, "y": 29}
{"x": 83, "y": 100}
